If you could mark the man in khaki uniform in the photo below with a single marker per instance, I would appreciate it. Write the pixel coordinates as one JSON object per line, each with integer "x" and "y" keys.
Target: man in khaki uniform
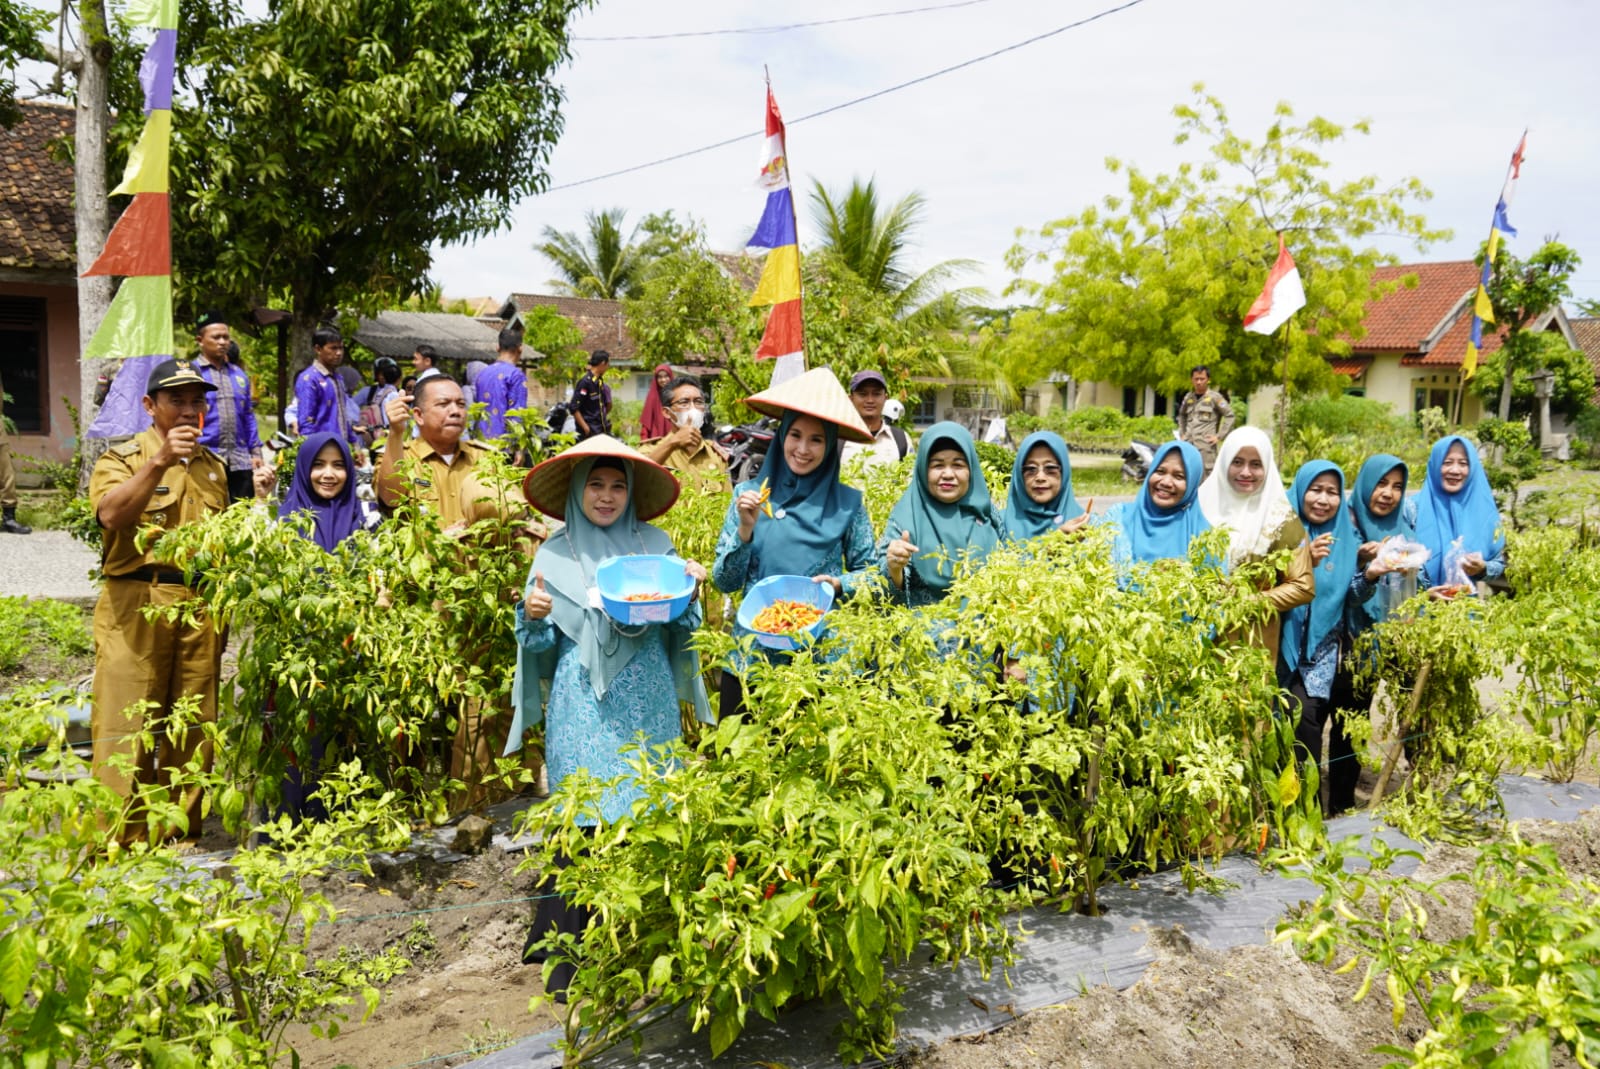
{"x": 691, "y": 456}
{"x": 163, "y": 478}
{"x": 1204, "y": 417}
{"x": 443, "y": 464}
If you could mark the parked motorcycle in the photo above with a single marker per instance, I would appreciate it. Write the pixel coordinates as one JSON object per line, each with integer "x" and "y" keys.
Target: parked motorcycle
{"x": 1136, "y": 460}
{"x": 746, "y": 446}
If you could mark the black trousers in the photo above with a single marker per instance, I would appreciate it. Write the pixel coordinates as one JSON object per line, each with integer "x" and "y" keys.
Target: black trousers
{"x": 730, "y": 696}
{"x": 1311, "y": 715}
{"x": 241, "y": 485}
{"x": 555, "y": 914}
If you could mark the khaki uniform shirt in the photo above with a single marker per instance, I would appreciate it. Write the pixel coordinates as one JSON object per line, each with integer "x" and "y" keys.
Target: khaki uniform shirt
{"x": 439, "y": 484}
{"x": 187, "y": 493}
{"x": 703, "y": 469}
{"x": 1200, "y": 417}
{"x": 883, "y": 447}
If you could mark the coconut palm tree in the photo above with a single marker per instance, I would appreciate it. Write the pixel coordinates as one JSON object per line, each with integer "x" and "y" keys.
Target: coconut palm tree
{"x": 872, "y": 241}
{"x": 599, "y": 263}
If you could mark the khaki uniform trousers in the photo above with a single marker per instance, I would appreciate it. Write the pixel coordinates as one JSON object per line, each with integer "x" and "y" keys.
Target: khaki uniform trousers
{"x": 158, "y": 661}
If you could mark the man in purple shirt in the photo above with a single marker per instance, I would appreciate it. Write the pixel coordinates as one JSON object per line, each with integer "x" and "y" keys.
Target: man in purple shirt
{"x": 502, "y": 386}
{"x": 230, "y": 421}
{"x": 320, "y": 392}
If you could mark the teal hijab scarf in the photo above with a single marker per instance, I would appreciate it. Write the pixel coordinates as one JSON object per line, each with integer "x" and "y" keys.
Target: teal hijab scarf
{"x": 1371, "y": 526}
{"x": 1305, "y": 626}
{"x": 1469, "y": 514}
{"x": 816, "y": 509}
{"x": 1025, "y": 518}
{"x": 568, "y": 561}
{"x": 967, "y": 527}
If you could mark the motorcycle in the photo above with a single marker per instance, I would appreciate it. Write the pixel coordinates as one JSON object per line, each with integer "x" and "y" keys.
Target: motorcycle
{"x": 746, "y": 446}
{"x": 1136, "y": 460}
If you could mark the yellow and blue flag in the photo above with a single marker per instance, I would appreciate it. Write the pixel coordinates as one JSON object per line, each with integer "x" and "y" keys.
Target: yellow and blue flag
{"x": 1482, "y": 307}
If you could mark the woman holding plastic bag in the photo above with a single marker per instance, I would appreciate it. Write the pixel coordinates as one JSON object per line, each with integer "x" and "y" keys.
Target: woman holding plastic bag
{"x": 1458, "y": 520}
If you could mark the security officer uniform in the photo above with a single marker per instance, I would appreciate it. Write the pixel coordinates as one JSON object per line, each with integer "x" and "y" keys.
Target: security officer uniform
{"x": 1199, "y": 418}
{"x": 142, "y": 660}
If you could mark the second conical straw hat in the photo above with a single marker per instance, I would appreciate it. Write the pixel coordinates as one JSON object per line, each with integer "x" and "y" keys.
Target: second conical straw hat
{"x": 815, "y": 393}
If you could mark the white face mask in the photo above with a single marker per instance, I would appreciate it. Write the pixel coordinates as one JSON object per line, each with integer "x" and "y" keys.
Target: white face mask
{"x": 689, "y": 417}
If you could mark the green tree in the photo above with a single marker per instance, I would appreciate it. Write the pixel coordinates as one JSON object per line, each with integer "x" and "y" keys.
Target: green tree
{"x": 1148, "y": 283}
{"x": 601, "y": 262}
{"x": 689, "y": 306}
{"x": 558, "y": 339}
{"x": 1523, "y": 293}
{"x": 320, "y": 152}
{"x": 872, "y": 241}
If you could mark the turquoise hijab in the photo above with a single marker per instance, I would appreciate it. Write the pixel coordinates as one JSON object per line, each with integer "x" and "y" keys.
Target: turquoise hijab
{"x": 967, "y": 527}
{"x": 568, "y": 561}
{"x": 1148, "y": 532}
{"x": 817, "y": 509}
{"x": 1469, "y": 514}
{"x": 1025, "y": 518}
{"x": 1305, "y": 626}
{"x": 1372, "y": 527}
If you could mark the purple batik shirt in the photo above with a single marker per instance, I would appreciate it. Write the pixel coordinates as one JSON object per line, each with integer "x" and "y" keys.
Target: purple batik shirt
{"x": 235, "y": 440}
{"x": 501, "y": 387}
{"x": 321, "y": 397}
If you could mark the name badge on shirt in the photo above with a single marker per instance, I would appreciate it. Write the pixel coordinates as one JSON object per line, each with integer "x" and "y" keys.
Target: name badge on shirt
{"x": 594, "y": 598}
{"x": 162, "y": 490}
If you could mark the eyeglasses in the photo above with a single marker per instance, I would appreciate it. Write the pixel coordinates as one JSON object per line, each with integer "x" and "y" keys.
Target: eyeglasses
{"x": 686, "y": 404}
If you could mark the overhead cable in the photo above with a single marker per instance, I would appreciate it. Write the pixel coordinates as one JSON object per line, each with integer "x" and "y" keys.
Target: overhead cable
{"x": 784, "y": 28}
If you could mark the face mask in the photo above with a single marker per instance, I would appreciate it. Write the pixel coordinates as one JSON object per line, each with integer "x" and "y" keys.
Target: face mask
{"x": 690, "y": 417}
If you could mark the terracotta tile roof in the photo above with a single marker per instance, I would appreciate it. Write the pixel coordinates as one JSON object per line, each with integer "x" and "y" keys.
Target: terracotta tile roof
{"x": 1587, "y": 331}
{"x": 1451, "y": 348}
{"x": 1404, "y": 319}
{"x": 36, "y": 223}
{"x": 741, "y": 267}
{"x": 601, "y": 322}
{"x": 1354, "y": 366}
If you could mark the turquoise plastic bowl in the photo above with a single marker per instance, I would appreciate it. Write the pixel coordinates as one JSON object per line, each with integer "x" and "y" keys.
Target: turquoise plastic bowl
{"x": 644, "y": 573}
{"x": 785, "y": 588}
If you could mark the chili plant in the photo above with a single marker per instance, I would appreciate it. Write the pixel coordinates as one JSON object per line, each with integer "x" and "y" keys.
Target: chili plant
{"x": 1523, "y": 977}
{"x": 125, "y": 955}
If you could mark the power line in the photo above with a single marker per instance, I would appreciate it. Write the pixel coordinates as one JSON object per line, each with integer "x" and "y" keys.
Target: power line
{"x": 785, "y": 27}
{"x": 852, "y": 103}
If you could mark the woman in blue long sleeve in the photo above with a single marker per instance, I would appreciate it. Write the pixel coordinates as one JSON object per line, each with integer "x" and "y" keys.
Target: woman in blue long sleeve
{"x": 1041, "y": 499}
{"x": 610, "y": 686}
{"x": 810, "y": 523}
{"x": 944, "y": 522}
{"x": 1457, "y": 502}
{"x": 1160, "y": 522}
{"x": 1311, "y": 656}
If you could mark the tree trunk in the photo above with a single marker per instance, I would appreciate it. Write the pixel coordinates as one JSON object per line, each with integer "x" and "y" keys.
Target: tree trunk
{"x": 1505, "y": 391}
{"x": 90, "y": 207}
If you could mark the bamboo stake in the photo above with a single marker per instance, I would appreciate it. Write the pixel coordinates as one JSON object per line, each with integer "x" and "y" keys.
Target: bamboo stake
{"x": 1392, "y": 758}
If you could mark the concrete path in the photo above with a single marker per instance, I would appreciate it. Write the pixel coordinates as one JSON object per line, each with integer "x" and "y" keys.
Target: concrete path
{"x": 48, "y": 564}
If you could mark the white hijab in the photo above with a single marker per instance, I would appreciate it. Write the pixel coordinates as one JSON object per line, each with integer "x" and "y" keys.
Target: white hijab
{"x": 1252, "y": 521}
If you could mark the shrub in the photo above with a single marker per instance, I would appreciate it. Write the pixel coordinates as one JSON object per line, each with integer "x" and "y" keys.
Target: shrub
{"x": 28, "y": 625}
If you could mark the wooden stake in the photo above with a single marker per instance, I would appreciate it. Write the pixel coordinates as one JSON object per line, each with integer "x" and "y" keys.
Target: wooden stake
{"x": 1392, "y": 758}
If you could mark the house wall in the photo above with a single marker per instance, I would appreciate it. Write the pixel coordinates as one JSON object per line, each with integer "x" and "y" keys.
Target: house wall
{"x": 61, "y": 376}
{"x": 1388, "y": 381}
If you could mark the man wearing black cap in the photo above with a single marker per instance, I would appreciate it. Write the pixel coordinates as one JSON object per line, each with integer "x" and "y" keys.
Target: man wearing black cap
{"x": 230, "y": 423}
{"x": 868, "y": 392}
{"x": 591, "y": 398}
{"x": 163, "y": 478}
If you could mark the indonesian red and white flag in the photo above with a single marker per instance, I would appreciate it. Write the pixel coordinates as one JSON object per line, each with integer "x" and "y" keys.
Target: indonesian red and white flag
{"x": 1282, "y": 297}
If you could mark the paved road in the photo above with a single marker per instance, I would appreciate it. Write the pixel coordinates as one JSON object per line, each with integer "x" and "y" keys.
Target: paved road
{"x": 49, "y": 564}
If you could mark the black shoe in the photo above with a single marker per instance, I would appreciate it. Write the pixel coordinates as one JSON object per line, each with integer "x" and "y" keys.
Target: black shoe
{"x": 10, "y": 525}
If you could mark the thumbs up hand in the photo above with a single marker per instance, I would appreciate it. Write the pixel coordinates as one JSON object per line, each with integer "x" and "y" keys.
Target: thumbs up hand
{"x": 897, "y": 556}
{"x": 538, "y": 603}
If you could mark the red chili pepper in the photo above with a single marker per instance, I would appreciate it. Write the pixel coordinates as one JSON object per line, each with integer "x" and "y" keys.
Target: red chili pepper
{"x": 733, "y": 864}
{"x": 772, "y": 889}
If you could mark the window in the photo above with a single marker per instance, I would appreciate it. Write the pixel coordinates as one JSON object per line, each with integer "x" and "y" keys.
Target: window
{"x": 22, "y": 363}
{"x": 923, "y": 410}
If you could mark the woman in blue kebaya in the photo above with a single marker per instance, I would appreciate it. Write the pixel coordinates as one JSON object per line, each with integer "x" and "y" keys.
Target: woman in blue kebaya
{"x": 944, "y": 523}
{"x": 1311, "y": 655}
{"x": 795, "y": 517}
{"x": 1379, "y": 511}
{"x": 1041, "y": 499}
{"x": 610, "y": 687}
{"x": 1161, "y": 521}
{"x": 1457, "y": 502}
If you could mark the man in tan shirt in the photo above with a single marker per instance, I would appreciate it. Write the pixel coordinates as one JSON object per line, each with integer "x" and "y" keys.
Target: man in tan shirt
{"x": 162, "y": 479}
{"x": 686, "y": 451}
{"x": 443, "y": 463}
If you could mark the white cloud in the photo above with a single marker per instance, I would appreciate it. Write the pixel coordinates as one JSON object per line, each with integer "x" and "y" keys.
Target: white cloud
{"x": 1021, "y": 139}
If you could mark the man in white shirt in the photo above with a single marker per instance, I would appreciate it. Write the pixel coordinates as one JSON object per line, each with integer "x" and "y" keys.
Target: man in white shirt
{"x": 868, "y": 392}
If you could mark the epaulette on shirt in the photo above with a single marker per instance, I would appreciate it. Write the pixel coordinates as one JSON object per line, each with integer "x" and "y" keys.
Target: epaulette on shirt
{"x": 126, "y": 449}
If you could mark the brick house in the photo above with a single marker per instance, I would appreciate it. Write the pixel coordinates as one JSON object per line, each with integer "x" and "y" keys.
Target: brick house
{"x": 38, "y": 282}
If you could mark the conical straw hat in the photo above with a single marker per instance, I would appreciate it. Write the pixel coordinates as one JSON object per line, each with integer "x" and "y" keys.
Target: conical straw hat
{"x": 654, "y": 488}
{"x": 816, "y": 393}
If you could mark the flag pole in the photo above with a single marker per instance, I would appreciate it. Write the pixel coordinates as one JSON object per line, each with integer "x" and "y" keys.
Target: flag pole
{"x": 1283, "y": 424}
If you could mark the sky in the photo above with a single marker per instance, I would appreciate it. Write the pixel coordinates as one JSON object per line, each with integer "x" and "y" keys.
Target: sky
{"x": 1021, "y": 139}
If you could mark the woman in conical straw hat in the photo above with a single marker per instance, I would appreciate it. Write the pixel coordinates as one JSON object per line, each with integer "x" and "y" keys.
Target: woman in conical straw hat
{"x": 808, "y": 523}
{"x": 607, "y": 683}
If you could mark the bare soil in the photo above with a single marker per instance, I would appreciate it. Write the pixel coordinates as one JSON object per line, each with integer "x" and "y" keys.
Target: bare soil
{"x": 1249, "y": 1007}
